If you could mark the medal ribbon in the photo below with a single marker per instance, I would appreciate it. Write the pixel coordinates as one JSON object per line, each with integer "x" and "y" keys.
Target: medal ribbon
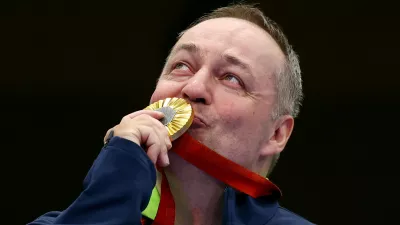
{"x": 216, "y": 166}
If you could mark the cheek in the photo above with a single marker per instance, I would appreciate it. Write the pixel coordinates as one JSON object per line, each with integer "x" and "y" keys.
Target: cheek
{"x": 234, "y": 112}
{"x": 237, "y": 131}
{"x": 242, "y": 120}
{"x": 166, "y": 89}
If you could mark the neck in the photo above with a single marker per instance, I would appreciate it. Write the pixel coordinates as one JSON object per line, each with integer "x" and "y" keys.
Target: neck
{"x": 198, "y": 197}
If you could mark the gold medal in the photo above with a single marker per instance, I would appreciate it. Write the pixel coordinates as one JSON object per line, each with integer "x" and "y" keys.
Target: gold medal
{"x": 178, "y": 115}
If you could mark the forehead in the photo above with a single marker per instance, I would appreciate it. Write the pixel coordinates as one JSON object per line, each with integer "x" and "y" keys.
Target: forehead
{"x": 238, "y": 37}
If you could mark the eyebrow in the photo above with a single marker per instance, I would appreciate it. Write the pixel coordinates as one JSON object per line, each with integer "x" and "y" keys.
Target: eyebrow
{"x": 236, "y": 61}
{"x": 189, "y": 47}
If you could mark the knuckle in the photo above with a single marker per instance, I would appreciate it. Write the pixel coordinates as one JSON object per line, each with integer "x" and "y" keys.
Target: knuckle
{"x": 166, "y": 149}
{"x": 143, "y": 117}
{"x": 156, "y": 123}
{"x": 159, "y": 124}
{"x": 117, "y": 131}
{"x": 165, "y": 130}
{"x": 125, "y": 118}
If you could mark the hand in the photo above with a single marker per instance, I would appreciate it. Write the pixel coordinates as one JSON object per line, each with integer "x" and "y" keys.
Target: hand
{"x": 144, "y": 128}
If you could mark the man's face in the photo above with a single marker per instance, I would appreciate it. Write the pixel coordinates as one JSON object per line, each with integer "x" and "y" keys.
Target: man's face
{"x": 224, "y": 67}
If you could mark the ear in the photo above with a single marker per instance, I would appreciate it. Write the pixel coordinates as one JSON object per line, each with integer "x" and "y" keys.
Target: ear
{"x": 283, "y": 128}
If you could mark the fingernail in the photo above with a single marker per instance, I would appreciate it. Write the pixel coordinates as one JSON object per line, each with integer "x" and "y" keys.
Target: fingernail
{"x": 167, "y": 161}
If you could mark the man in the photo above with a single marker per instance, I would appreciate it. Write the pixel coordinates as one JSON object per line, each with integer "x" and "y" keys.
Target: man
{"x": 242, "y": 78}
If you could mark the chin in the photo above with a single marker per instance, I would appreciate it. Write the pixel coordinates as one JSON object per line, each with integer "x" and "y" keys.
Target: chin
{"x": 199, "y": 135}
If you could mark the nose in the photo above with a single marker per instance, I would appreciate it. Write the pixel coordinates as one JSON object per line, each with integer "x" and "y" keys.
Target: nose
{"x": 198, "y": 89}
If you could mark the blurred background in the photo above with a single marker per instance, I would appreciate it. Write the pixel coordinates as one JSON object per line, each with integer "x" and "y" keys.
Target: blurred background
{"x": 70, "y": 70}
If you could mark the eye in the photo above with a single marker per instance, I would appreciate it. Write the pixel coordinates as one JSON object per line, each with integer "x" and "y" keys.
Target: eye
{"x": 232, "y": 79}
{"x": 181, "y": 66}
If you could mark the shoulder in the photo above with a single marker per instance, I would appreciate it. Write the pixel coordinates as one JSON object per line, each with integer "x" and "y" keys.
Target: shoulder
{"x": 287, "y": 217}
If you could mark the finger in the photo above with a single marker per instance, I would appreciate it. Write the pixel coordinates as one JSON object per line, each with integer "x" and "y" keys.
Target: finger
{"x": 163, "y": 129}
{"x": 162, "y": 140}
{"x": 163, "y": 159}
{"x": 153, "y": 150}
{"x": 160, "y": 130}
{"x": 151, "y": 139}
{"x": 155, "y": 114}
{"x": 146, "y": 119}
{"x": 168, "y": 143}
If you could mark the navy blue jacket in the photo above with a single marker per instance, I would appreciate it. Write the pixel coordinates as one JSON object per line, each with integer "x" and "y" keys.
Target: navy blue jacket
{"x": 119, "y": 184}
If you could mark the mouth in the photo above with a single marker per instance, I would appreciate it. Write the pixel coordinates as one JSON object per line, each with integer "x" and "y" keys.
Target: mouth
{"x": 198, "y": 123}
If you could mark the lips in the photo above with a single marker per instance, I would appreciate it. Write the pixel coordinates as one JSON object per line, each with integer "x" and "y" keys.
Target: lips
{"x": 198, "y": 123}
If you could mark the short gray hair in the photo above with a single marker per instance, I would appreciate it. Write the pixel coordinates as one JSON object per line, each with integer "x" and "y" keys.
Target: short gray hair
{"x": 288, "y": 82}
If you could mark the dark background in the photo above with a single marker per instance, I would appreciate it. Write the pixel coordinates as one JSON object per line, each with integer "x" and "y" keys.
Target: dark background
{"x": 72, "y": 69}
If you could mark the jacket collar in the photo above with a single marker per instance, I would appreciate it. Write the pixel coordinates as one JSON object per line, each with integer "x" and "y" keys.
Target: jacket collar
{"x": 239, "y": 208}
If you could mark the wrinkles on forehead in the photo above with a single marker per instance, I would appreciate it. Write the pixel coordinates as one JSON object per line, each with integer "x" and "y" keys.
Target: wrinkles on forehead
{"x": 239, "y": 38}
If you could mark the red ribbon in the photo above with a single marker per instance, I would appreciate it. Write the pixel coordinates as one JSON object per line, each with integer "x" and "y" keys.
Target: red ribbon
{"x": 216, "y": 166}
